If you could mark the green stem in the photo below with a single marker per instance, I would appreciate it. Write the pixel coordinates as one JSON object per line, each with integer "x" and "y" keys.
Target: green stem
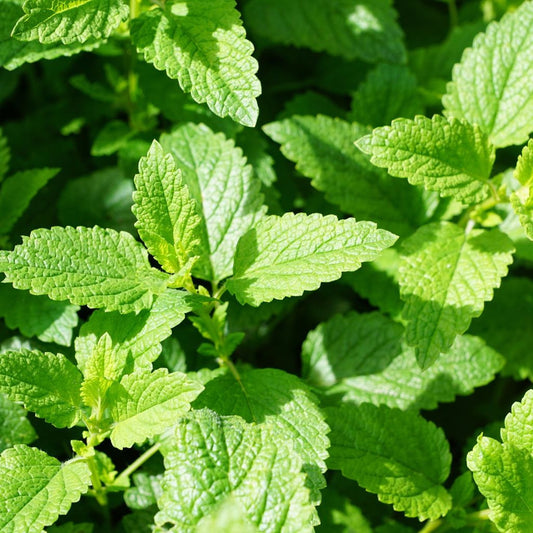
{"x": 454, "y": 16}
{"x": 431, "y": 526}
{"x": 140, "y": 461}
{"x": 99, "y": 491}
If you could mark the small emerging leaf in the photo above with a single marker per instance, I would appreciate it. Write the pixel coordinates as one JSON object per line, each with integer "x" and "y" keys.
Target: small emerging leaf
{"x": 522, "y": 199}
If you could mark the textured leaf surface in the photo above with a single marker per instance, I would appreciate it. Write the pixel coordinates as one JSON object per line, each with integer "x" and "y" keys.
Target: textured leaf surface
{"x": 227, "y": 195}
{"x": 506, "y": 326}
{"x": 281, "y": 400}
{"x": 446, "y": 276}
{"x": 88, "y": 266}
{"x": 522, "y": 199}
{"x": 36, "y": 488}
{"x": 203, "y": 45}
{"x": 38, "y": 316}
{"x": 388, "y": 92}
{"x": 14, "y": 53}
{"x": 449, "y": 156}
{"x": 504, "y": 472}
{"x": 365, "y": 29}
{"x": 350, "y": 345}
{"x": 167, "y": 218}
{"x": 15, "y": 428}
{"x": 470, "y": 363}
{"x": 395, "y": 454}
{"x": 323, "y": 150}
{"x": 69, "y": 21}
{"x": 491, "y": 85}
{"x": 47, "y": 384}
{"x": 210, "y": 458}
{"x": 285, "y": 256}
{"x": 151, "y": 403}
{"x": 145, "y": 492}
{"x": 137, "y": 337}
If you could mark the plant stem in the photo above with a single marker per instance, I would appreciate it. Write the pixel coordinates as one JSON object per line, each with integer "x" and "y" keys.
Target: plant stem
{"x": 454, "y": 16}
{"x": 431, "y": 526}
{"x": 99, "y": 491}
{"x": 140, "y": 460}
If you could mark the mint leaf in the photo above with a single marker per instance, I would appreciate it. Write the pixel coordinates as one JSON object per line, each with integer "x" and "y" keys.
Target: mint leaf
{"x": 504, "y": 472}
{"x": 350, "y": 345}
{"x": 209, "y": 459}
{"x": 151, "y": 402}
{"x": 281, "y": 400}
{"x": 145, "y": 492}
{"x": 227, "y": 195}
{"x": 36, "y": 488}
{"x": 452, "y": 156}
{"x": 167, "y": 218}
{"x": 285, "y": 256}
{"x": 105, "y": 361}
{"x": 323, "y": 150}
{"x": 69, "y": 21}
{"x": 491, "y": 84}
{"x": 228, "y": 517}
{"x": 17, "y": 191}
{"x": 522, "y": 199}
{"x": 14, "y": 53}
{"x": 388, "y": 92}
{"x": 88, "y": 266}
{"x": 469, "y": 363}
{"x": 395, "y": 454}
{"x": 15, "y": 428}
{"x": 446, "y": 276}
{"x": 137, "y": 337}
{"x": 505, "y": 325}
{"x": 203, "y": 45}
{"x": 365, "y": 29}
{"x": 47, "y": 384}
{"x": 38, "y": 316}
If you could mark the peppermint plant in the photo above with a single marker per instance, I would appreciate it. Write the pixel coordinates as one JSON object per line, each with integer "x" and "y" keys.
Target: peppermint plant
{"x": 266, "y": 266}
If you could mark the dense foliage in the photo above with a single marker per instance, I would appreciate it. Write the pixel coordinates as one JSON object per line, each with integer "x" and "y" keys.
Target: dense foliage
{"x": 267, "y": 266}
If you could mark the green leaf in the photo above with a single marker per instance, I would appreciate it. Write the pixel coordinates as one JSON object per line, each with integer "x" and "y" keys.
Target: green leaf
{"x": 522, "y": 199}
{"x": 229, "y": 517}
{"x": 378, "y": 282}
{"x": 151, "y": 403}
{"x": 17, "y": 191}
{"x": 446, "y": 276}
{"x": 146, "y": 491}
{"x": 36, "y": 488}
{"x": 339, "y": 515}
{"x": 395, "y": 454}
{"x": 105, "y": 361}
{"x": 470, "y": 363}
{"x": 38, "y": 316}
{"x": 281, "y": 400}
{"x": 285, "y": 256}
{"x": 491, "y": 85}
{"x": 70, "y": 527}
{"x": 14, "y": 53}
{"x": 5, "y": 153}
{"x": 15, "y": 428}
{"x": 350, "y": 345}
{"x": 102, "y": 198}
{"x": 111, "y": 138}
{"x": 506, "y": 326}
{"x": 136, "y": 337}
{"x": 365, "y": 29}
{"x": 88, "y": 266}
{"x": 504, "y": 472}
{"x": 203, "y": 45}
{"x": 452, "y": 156}
{"x": 167, "y": 218}
{"x": 69, "y": 21}
{"x": 209, "y": 459}
{"x": 388, "y": 92}
{"x": 227, "y": 195}
{"x": 323, "y": 150}
{"x": 47, "y": 384}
